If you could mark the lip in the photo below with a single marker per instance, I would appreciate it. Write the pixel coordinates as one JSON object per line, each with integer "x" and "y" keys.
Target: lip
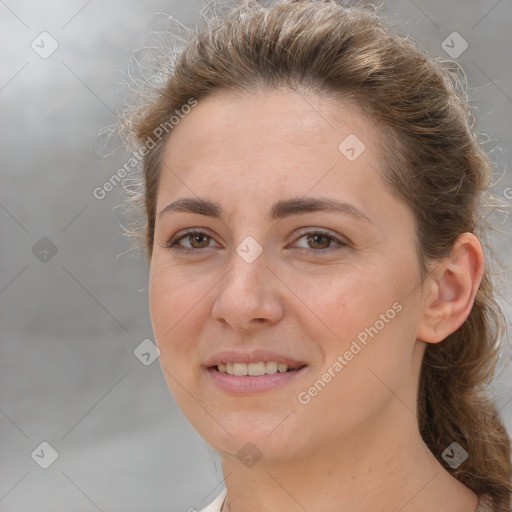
{"x": 254, "y": 356}
{"x": 247, "y": 384}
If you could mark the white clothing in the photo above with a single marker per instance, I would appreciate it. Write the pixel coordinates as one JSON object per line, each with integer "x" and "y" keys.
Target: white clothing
{"x": 216, "y": 504}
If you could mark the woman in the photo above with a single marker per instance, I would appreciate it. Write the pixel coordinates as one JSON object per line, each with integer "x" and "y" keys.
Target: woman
{"x": 312, "y": 189}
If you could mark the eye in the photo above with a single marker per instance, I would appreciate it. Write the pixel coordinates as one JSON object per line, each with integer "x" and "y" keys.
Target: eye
{"x": 317, "y": 240}
{"x": 321, "y": 240}
{"x": 196, "y": 239}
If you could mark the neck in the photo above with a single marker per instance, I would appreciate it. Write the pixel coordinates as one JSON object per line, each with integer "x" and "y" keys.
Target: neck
{"x": 379, "y": 467}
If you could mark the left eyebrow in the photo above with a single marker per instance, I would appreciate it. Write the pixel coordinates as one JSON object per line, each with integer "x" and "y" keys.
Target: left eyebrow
{"x": 300, "y": 205}
{"x": 280, "y": 209}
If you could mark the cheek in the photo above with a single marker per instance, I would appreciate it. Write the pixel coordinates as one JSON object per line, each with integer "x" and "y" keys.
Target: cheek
{"x": 360, "y": 316}
{"x": 176, "y": 306}
{"x": 358, "y": 380}
{"x": 342, "y": 302}
{"x": 176, "y": 303}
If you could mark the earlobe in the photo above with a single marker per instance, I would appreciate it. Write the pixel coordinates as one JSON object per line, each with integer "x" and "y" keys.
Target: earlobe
{"x": 450, "y": 289}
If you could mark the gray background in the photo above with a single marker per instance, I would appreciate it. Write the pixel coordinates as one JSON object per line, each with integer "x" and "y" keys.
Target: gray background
{"x": 70, "y": 325}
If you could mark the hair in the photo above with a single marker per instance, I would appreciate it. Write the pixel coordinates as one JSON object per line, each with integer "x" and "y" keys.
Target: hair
{"x": 433, "y": 159}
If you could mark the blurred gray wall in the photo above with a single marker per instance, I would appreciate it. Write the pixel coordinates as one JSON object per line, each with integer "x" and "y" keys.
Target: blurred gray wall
{"x": 73, "y": 298}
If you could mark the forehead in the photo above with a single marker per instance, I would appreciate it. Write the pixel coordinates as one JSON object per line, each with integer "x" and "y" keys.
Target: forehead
{"x": 274, "y": 143}
{"x": 266, "y": 120}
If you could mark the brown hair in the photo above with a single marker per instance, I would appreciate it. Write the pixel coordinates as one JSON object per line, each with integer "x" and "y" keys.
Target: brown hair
{"x": 434, "y": 162}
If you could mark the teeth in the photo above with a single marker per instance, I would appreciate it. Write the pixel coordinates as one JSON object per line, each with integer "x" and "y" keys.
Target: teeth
{"x": 270, "y": 367}
{"x": 239, "y": 369}
{"x": 252, "y": 369}
{"x": 256, "y": 368}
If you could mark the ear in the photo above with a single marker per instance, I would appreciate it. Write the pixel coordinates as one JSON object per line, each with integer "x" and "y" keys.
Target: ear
{"x": 450, "y": 289}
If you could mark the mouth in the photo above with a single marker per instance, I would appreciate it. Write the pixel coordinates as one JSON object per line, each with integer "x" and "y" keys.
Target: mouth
{"x": 241, "y": 378}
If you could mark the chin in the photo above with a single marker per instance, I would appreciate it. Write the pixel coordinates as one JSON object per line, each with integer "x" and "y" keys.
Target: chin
{"x": 255, "y": 435}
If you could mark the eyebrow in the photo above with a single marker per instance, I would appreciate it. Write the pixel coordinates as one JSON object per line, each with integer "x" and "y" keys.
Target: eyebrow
{"x": 281, "y": 209}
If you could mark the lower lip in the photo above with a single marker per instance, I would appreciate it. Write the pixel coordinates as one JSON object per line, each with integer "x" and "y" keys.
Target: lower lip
{"x": 247, "y": 384}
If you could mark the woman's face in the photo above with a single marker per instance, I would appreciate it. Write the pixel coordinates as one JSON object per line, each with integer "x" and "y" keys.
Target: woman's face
{"x": 272, "y": 275}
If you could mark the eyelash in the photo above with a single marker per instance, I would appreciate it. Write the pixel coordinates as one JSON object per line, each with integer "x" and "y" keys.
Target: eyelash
{"x": 173, "y": 242}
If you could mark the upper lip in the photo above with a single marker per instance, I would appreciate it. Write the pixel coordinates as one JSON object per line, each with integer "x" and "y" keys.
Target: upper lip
{"x": 254, "y": 356}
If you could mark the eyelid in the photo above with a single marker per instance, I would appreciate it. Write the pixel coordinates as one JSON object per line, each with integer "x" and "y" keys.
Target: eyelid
{"x": 172, "y": 243}
{"x": 322, "y": 231}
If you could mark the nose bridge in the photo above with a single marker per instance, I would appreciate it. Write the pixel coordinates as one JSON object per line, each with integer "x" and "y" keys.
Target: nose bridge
{"x": 248, "y": 265}
{"x": 248, "y": 291}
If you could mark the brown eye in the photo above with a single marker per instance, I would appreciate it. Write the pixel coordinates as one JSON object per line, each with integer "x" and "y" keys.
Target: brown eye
{"x": 201, "y": 239}
{"x": 189, "y": 242}
{"x": 319, "y": 241}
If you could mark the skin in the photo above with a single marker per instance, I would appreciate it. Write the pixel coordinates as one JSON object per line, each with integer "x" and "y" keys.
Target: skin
{"x": 357, "y": 441}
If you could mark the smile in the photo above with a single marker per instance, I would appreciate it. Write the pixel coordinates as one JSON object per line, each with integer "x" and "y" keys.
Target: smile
{"x": 245, "y": 379}
{"x": 253, "y": 369}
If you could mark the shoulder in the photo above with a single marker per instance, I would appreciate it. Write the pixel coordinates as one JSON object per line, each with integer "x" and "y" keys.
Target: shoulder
{"x": 215, "y": 505}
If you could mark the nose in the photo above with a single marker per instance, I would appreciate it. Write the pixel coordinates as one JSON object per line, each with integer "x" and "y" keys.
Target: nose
{"x": 249, "y": 296}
